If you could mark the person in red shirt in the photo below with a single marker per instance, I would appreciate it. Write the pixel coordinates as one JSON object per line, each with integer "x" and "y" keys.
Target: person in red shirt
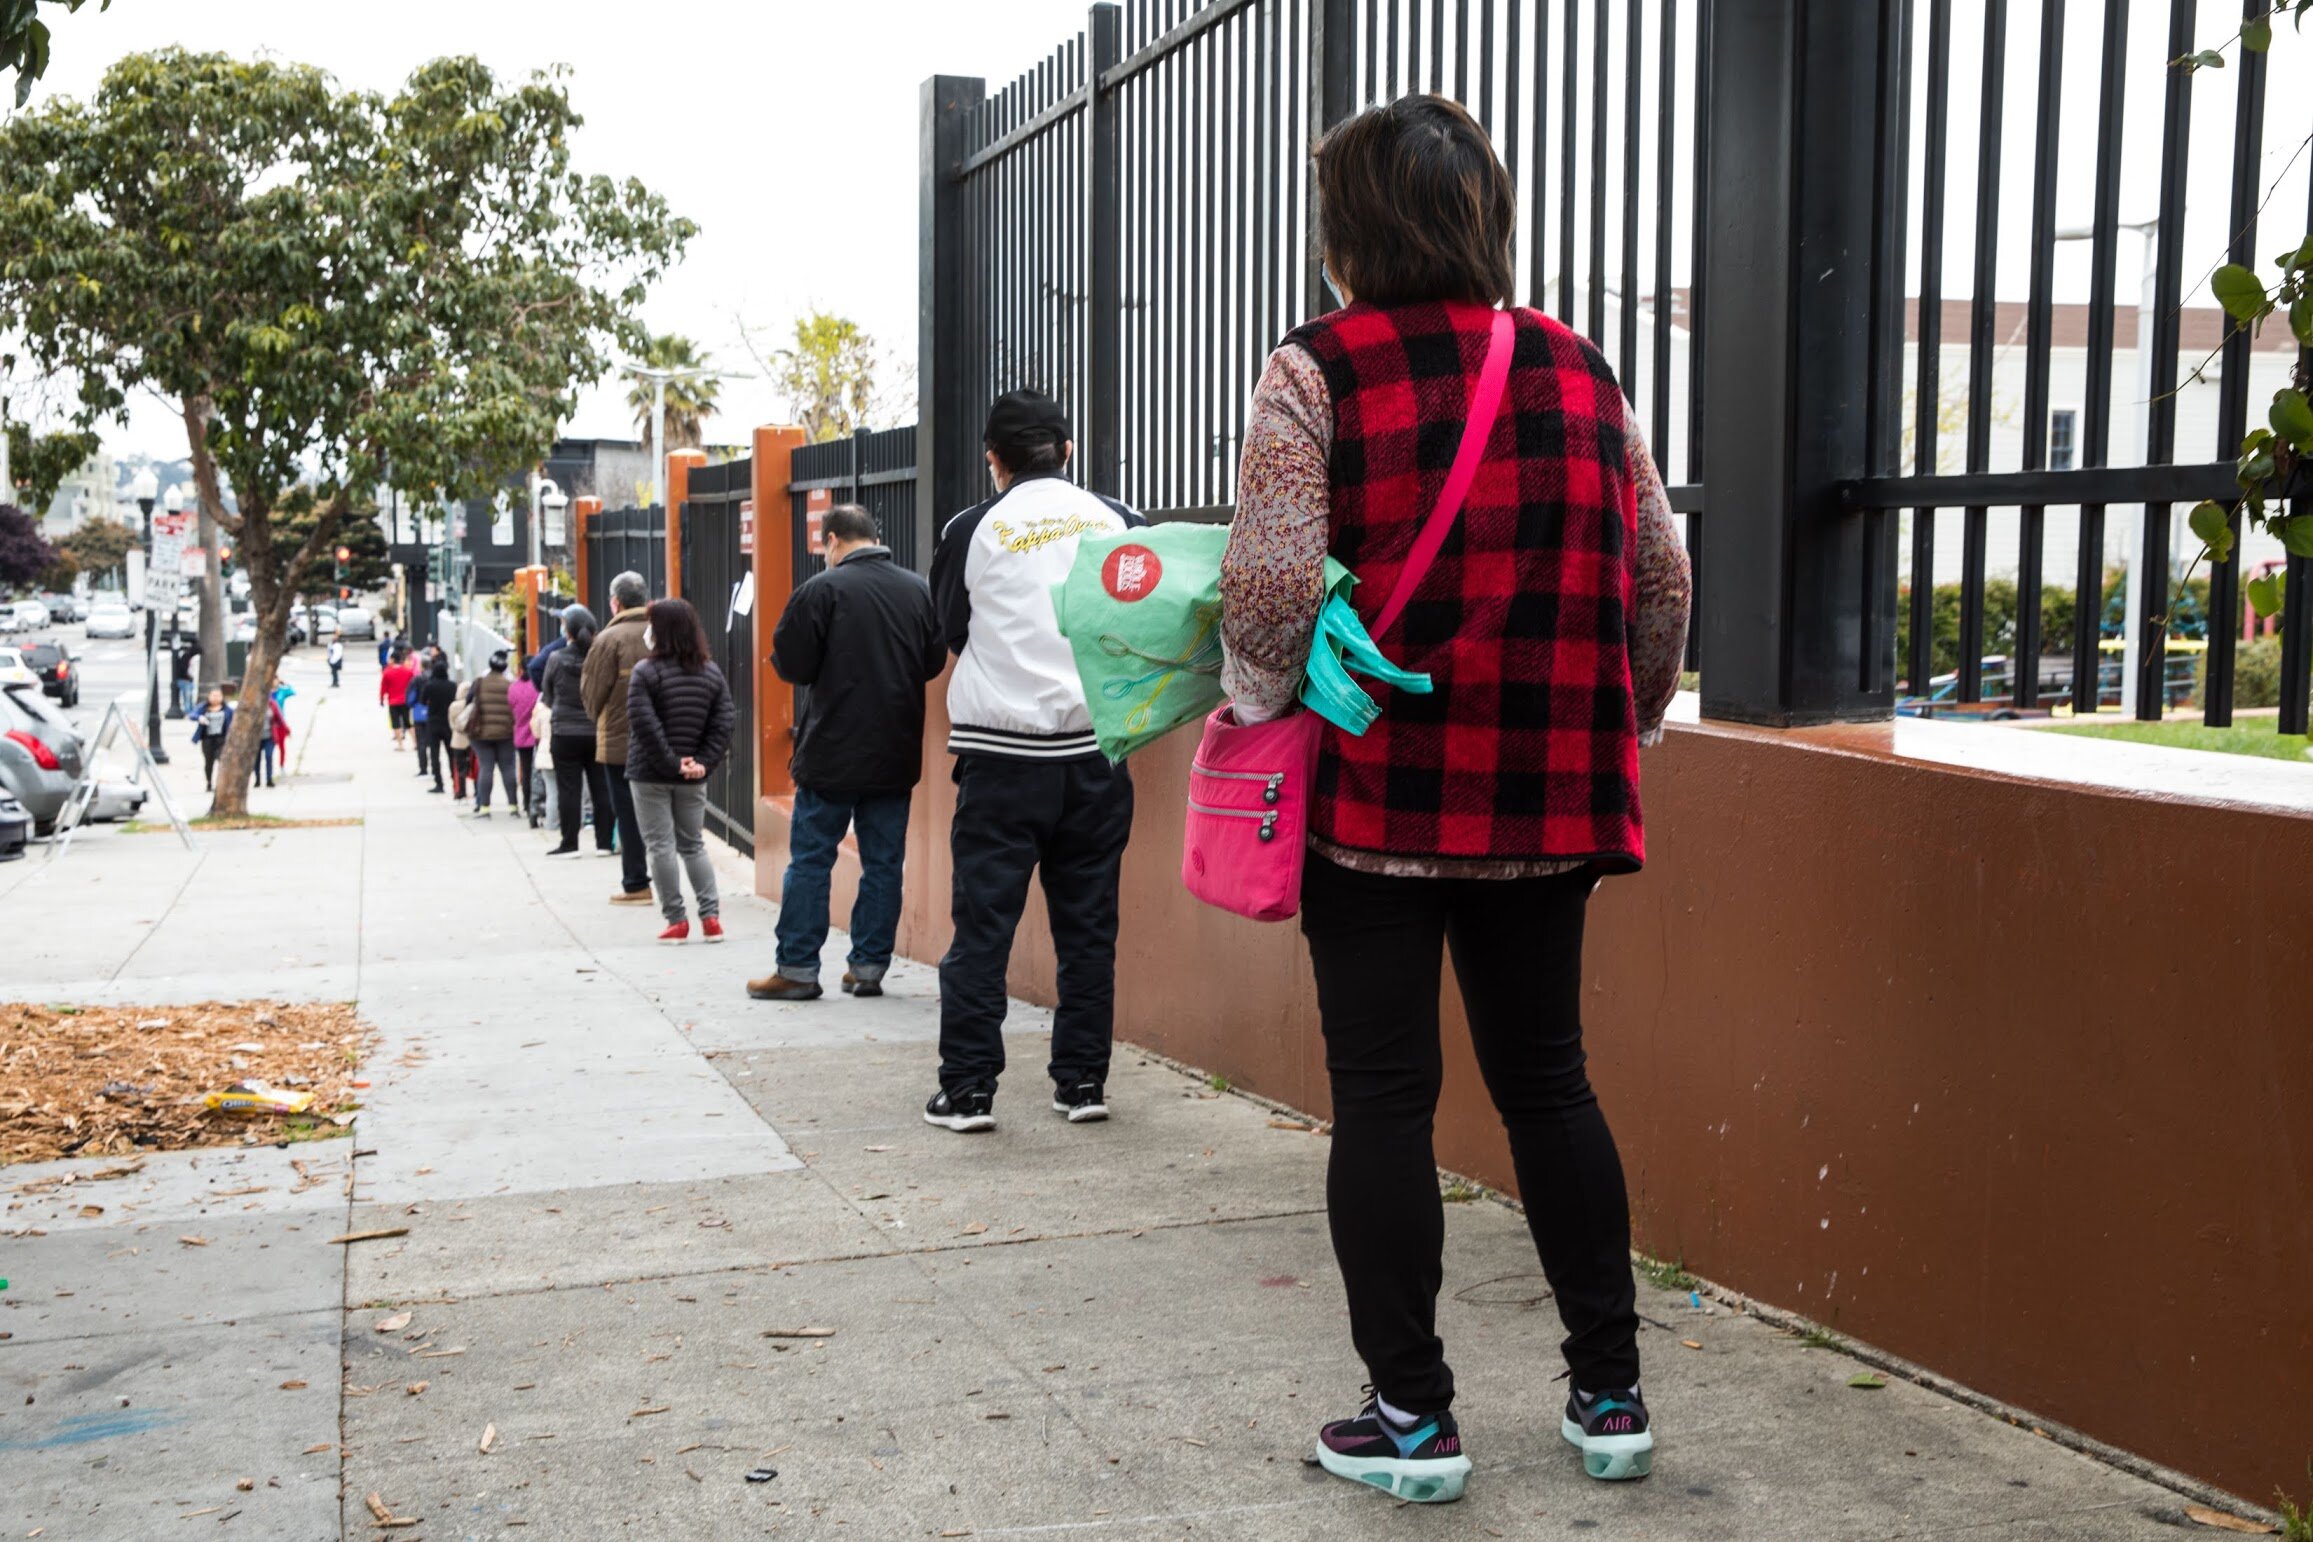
{"x": 393, "y": 688}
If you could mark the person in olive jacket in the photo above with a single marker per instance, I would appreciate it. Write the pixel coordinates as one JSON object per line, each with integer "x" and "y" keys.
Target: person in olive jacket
{"x": 864, "y": 637}
{"x": 491, "y": 731}
{"x": 679, "y": 716}
{"x": 609, "y": 666}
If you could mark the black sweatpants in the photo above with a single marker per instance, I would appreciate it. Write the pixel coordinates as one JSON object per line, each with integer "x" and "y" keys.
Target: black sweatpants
{"x": 1071, "y": 819}
{"x": 578, "y": 775}
{"x": 433, "y": 744}
{"x": 1517, "y": 945}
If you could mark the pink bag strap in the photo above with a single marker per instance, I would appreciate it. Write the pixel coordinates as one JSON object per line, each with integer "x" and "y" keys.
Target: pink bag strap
{"x": 1485, "y": 405}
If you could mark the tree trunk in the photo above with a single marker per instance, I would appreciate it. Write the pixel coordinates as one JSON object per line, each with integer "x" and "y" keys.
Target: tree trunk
{"x": 210, "y": 493}
{"x": 274, "y": 578}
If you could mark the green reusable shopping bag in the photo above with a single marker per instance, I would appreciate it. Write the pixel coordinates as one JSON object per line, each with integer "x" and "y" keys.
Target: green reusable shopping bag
{"x": 1141, "y": 610}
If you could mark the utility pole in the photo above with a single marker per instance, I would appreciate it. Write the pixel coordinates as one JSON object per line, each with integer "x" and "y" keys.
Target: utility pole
{"x": 146, "y": 490}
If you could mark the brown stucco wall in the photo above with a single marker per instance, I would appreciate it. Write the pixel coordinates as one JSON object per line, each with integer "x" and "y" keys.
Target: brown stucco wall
{"x": 2011, "y": 1078}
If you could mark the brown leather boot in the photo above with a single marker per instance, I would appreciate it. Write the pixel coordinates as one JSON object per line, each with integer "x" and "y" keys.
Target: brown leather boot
{"x": 777, "y": 987}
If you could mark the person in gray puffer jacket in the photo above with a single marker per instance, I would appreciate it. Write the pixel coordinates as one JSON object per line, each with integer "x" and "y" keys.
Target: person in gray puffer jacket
{"x": 570, "y": 737}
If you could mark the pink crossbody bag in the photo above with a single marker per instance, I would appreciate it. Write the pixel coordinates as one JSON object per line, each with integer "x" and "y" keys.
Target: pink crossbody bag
{"x": 1247, "y": 832}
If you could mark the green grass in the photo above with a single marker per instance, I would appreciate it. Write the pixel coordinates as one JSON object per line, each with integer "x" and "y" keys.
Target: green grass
{"x": 2253, "y": 737}
{"x": 2296, "y": 1524}
{"x": 1459, "y": 1192}
{"x": 1821, "y": 1338}
{"x": 1217, "y": 1082}
{"x": 1664, "y": 1275}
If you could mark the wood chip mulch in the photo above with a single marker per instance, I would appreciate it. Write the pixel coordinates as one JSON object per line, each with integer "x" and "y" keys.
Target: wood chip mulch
{"x": 119, "y": 1081}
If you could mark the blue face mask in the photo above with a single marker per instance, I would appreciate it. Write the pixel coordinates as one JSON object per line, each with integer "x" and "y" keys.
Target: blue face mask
{"x": 1325, "y": 270}
{"x": 1341, "y": 644}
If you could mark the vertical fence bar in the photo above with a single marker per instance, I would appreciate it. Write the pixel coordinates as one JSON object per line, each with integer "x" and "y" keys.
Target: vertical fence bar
{"x": 1983, "y": 314}
{"x": 2297, "y": 589}
{"x": 1512, "y": 145}
{"x": 1633, "y": 102}
{"x": 1883, "y": 409}
{"x": 2224, "y": 615}
{"x": 2152, "y": 575}
{"x": 1665, "y": 208}
{"x": 949, "y": 105}
{"x": 1329, "y": 102}
{"x": 1569, "y": 185}
{"x": 1927, "y": 398}
{"x": 1103, "y": 428}
{"x": 2096, "y": 400}
{"x": 2031, "y": 527}
{"x": 1794, "y": 122}
{"x": 1597, "y": 189}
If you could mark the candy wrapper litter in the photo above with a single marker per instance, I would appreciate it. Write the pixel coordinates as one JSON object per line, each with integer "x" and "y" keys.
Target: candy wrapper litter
{"x": 258, "y": 1098}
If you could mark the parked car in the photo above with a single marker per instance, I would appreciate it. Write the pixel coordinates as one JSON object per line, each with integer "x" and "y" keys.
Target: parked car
{"x": 15, "y": 827}
{"x": 8, "y": 622}
{"x": 52, "y": 662}
{"x": 355, "y": 624}
{"x": 32, "y": 616}
{"x": 115, "y": 800}
{"x": 109, "y": 618}
{"x": 63, "y": 609}
{"x": 40, "y": 754}
{"x": 14, "y": 670}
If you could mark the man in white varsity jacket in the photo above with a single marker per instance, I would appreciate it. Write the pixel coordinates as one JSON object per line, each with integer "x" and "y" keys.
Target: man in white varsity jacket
{"x": 1032, "y": 789}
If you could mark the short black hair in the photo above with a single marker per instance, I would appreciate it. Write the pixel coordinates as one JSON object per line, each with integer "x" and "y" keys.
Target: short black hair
{"x": 848, "y": 522}
{"x": 1415, "y": 207}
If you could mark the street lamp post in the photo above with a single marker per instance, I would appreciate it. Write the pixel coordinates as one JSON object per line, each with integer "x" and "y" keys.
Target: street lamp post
{"x": 174, "y": 502}
{"x": 146, "y": 489}
{"x": 658, "y": 377}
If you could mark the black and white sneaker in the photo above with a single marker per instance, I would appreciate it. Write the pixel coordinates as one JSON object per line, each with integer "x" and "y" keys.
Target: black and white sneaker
{"x": 1083, "y": 1103}
{"x": 965, "y": 1111}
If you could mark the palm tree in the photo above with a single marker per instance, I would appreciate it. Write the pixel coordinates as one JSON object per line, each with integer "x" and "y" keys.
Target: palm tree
{"x": 690, "y": 398}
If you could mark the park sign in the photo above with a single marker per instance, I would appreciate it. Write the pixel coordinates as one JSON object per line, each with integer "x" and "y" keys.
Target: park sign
{"x": 165, "y": 574}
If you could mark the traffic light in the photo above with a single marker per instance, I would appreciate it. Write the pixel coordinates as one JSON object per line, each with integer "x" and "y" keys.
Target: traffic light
{"x": 344, "y": 552}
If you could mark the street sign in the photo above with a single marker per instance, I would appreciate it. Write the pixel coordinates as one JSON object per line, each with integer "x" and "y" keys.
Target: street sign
{"x": 165, "y": 579}
{"x": 747, "y": 528}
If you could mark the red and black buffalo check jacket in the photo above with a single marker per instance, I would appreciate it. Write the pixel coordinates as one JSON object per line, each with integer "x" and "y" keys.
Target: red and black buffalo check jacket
{"x": 1528, "y": 747}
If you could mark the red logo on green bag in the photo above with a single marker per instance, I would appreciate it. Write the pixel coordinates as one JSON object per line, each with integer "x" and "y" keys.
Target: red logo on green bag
{"x": 1131, "y": 573}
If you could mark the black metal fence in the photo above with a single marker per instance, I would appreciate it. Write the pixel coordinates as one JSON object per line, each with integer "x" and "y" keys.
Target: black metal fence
{"x": 624, "y": 541}
{"x": 1129, "y": 226}
{"x": 714, "y": 568}
{"x": 873, "y": 468}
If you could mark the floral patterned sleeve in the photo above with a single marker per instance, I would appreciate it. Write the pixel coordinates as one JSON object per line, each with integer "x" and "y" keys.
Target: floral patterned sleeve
{"x": 1663, "y": 590}
{"x": 1273, "y": 574}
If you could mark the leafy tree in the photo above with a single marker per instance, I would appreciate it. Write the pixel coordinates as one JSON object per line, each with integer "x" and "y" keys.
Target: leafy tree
{"x": 24, "y": 556}
{"x": 827, "y": 376}
{"x": 39, "y": 463}
{"x": 690, "y": 398}
{"x": 24, "y": 40}
{"x": 337, "y": 289}
{"x": 98, "y": 546}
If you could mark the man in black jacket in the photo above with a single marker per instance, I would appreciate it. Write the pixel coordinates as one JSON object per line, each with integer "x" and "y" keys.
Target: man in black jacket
{"x": 863, "y": 638}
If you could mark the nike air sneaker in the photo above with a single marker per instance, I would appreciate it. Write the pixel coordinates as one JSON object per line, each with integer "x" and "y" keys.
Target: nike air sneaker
{"x": 1610, "y": 1430}
{"x": 1421, "y": 1462}
{"x": 966, "y": 1110}
{"x": 1083, "y": 1102}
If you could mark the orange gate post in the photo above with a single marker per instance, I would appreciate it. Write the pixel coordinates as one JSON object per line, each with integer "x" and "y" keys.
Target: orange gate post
{"x": 774, "y": 559}
{"x": 679, "y": 467}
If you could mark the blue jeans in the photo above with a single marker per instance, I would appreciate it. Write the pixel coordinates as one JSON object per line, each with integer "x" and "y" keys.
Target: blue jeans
{"x": 813, "y": 836}
{"x": 185, "y": 697}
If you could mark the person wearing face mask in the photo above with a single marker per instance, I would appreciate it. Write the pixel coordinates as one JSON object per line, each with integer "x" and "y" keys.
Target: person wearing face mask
{"x": 1033, "y": 791}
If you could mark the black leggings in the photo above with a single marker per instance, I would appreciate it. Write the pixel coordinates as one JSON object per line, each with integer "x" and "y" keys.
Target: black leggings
{"x": 212, "y": 745}
{"x": 575, "y": 768}
{"x": 1517, "y": 947}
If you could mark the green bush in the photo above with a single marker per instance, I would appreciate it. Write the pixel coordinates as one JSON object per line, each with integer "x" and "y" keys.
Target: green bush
{"x": 2256, "y": 673}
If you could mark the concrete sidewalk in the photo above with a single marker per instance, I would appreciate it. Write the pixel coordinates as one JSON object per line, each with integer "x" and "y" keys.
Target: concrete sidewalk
{"x": 619, "y": 1176}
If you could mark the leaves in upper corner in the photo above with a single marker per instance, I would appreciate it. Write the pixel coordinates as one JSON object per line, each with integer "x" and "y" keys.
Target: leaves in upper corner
{"x": 2257, "y": 34}
{"x": 2296, "y": 535}
{"x": 2241, "y": 293}
{"x": 2206, "y": 59}
{"x": 2266, "y": 593}
{"x": 2292, "y": 418}
{"x": 2213, "y": 523}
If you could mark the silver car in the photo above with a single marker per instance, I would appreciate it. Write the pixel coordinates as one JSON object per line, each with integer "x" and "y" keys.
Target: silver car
{"x": 110, "y": 618}
{"x": 40, "y": 754}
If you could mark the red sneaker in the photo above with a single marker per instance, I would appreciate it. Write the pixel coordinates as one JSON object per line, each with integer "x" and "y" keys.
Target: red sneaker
{"x": 679, "y": 932}
{"x": 711, "y": 928}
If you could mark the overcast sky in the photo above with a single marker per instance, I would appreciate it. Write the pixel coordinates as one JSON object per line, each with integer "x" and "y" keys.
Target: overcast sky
{"x": 785, "y": 128}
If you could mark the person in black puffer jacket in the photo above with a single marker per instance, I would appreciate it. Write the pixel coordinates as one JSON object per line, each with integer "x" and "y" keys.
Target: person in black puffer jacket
{"x": 438, "y": 695}
{"x": 570, "y": 737}
{"x": 679, "y": 720}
